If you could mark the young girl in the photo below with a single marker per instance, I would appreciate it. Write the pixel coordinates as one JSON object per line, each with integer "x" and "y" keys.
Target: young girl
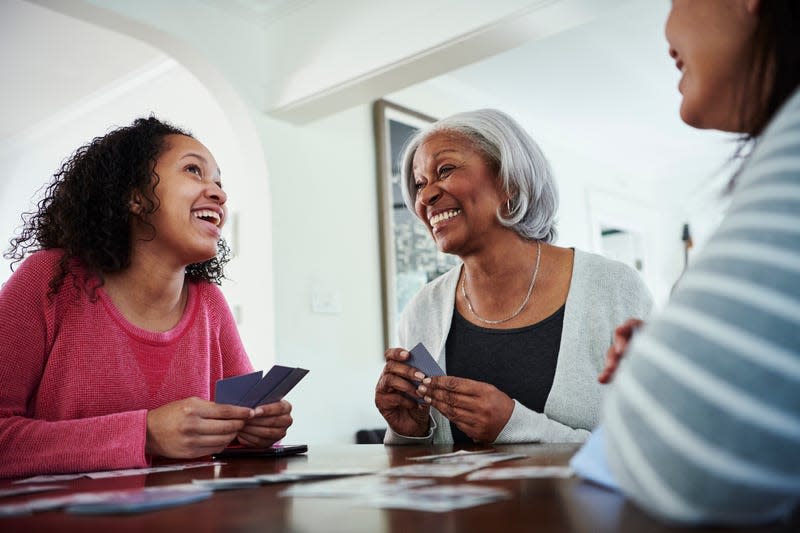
{"x": 703, "y": 422}
{"x": 113, "y": 331}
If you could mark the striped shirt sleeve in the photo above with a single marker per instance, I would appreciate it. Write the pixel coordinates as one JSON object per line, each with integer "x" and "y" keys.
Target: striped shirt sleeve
{"x": 703, "y": 421}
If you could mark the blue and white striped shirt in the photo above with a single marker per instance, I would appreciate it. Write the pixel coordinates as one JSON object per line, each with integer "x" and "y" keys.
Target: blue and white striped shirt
{"x": 703, "y": 422}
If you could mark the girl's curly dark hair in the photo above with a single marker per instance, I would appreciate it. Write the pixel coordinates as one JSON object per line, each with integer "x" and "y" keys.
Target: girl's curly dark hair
{"x": 86, "y": 209}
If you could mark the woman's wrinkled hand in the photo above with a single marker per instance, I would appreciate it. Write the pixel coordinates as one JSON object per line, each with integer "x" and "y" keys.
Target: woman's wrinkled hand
{"x": 478, "y": 409}
{"x": 394, "y": 395}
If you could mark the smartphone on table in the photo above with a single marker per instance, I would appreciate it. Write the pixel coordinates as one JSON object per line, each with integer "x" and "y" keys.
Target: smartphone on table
{"x": 278, "y": 450}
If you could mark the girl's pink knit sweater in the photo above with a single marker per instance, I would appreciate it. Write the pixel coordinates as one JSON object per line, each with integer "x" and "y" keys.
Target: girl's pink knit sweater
{"x": 77, "y": 379}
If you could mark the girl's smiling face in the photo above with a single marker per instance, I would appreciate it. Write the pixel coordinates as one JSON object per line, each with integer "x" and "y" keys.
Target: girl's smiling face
{"x": 191, "y": 203}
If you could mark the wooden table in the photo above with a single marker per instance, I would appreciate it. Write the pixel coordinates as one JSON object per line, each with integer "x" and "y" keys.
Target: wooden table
{"x": 542, "y": 505}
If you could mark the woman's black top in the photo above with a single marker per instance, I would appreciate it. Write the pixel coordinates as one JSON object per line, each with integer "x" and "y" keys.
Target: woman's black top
{"x": 521, "y": 362}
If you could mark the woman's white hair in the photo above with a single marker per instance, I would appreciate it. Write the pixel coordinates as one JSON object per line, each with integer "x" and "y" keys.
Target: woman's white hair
{"x": 525, "y": 174}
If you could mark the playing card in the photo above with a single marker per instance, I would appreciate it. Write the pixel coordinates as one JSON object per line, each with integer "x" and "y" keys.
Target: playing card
{"x": 149, "y": 470}
{"x": 116, "y": 473}
{"x": 227, "y": 483}
{"x": 231, "y": 390}
{"x": 421, "y": 359}
{"x": 457, "y": 454}
{"x": 283, "y": 388}
{"x": 353, "y": 487}
{"x": 267, "y": 384}
{"x": 438, "y": 498}
{"x": 4, "y": 493}
{"x": 48, "y": 478}
{"x": 431, "y": 470}
{"x": 137, "y": 501}
{"x": 482, "y": 459}
{"x": 522, "y": 472}
{"x": 115, "y": 501}
{"x": 308, "y": 475}
{"x": 252, "y": 390}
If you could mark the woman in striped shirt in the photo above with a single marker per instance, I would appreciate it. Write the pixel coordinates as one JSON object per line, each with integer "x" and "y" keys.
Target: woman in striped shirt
{"x": 703, "y": 422}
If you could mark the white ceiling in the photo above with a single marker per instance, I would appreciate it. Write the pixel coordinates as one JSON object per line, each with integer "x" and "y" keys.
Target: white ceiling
{"x": 51, "y": 62}
{"x": 606, "y": 90}
{"x": 265, "y": 12}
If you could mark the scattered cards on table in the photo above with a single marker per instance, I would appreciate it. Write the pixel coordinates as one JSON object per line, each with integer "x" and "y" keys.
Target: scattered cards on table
{"x": 451, "y": 464}
{"x": 311, "y": 474}
{"x": 354, "y": 487}
{"x": 116, "y": 473}
{"x": 231, "y": 483}
{"x": 480, "y": 460}
{"x": 227, "y": 483}
{"x": 115, "y": 501}
{"x": 139, "y": 501}
{"x": 466, "y": 457}
{"x": 522, "y": 472}
{"x": 399, "y": 493}
{"x": 432, "y": 470}
{"x": 443, "y": 456}
{"x": 17, "y": 491}
{"x": 438, "y": 498}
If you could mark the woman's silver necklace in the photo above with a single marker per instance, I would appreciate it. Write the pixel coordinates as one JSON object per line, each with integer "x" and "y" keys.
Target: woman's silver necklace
{"x": 521, "y": 307}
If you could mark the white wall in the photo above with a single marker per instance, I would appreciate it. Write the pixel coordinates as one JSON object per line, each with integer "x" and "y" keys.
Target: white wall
{"x": 326, "y": 241}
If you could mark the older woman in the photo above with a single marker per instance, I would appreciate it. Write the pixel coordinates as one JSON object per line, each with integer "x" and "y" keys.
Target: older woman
{"x": 521, "y": 327}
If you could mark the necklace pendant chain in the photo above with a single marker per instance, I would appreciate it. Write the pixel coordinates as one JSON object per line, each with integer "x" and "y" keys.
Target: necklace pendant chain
{"x": 521, "y": 307}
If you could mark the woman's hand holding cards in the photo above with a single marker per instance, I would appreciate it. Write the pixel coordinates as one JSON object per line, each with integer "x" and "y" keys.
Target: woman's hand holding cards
{"x": 395, "y": 393}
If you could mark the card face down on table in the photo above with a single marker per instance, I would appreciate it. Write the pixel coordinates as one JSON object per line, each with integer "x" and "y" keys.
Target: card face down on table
{"x": 252, "y": 390}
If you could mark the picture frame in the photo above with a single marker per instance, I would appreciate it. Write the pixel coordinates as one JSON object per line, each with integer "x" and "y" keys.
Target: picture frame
{"x": 616, "y": 228}
{"x": 409, "y": 257}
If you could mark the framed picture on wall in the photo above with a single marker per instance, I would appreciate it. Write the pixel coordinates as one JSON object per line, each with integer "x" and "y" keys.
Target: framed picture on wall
{"x": 618, "y": 230}
{"x": 409, "y": 257}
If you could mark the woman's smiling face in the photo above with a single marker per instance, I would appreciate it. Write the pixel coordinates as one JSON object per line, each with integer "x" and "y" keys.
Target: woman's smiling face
{"x": 711, "y": 42}
{"x": 457, "y": 193}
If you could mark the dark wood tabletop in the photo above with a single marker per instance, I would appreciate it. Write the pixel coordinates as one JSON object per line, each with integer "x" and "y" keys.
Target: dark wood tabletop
{"x": 541, "y": 505}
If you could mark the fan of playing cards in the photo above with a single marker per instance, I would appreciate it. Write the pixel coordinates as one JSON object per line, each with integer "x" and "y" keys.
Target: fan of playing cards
{"x": 251, "y": 390}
